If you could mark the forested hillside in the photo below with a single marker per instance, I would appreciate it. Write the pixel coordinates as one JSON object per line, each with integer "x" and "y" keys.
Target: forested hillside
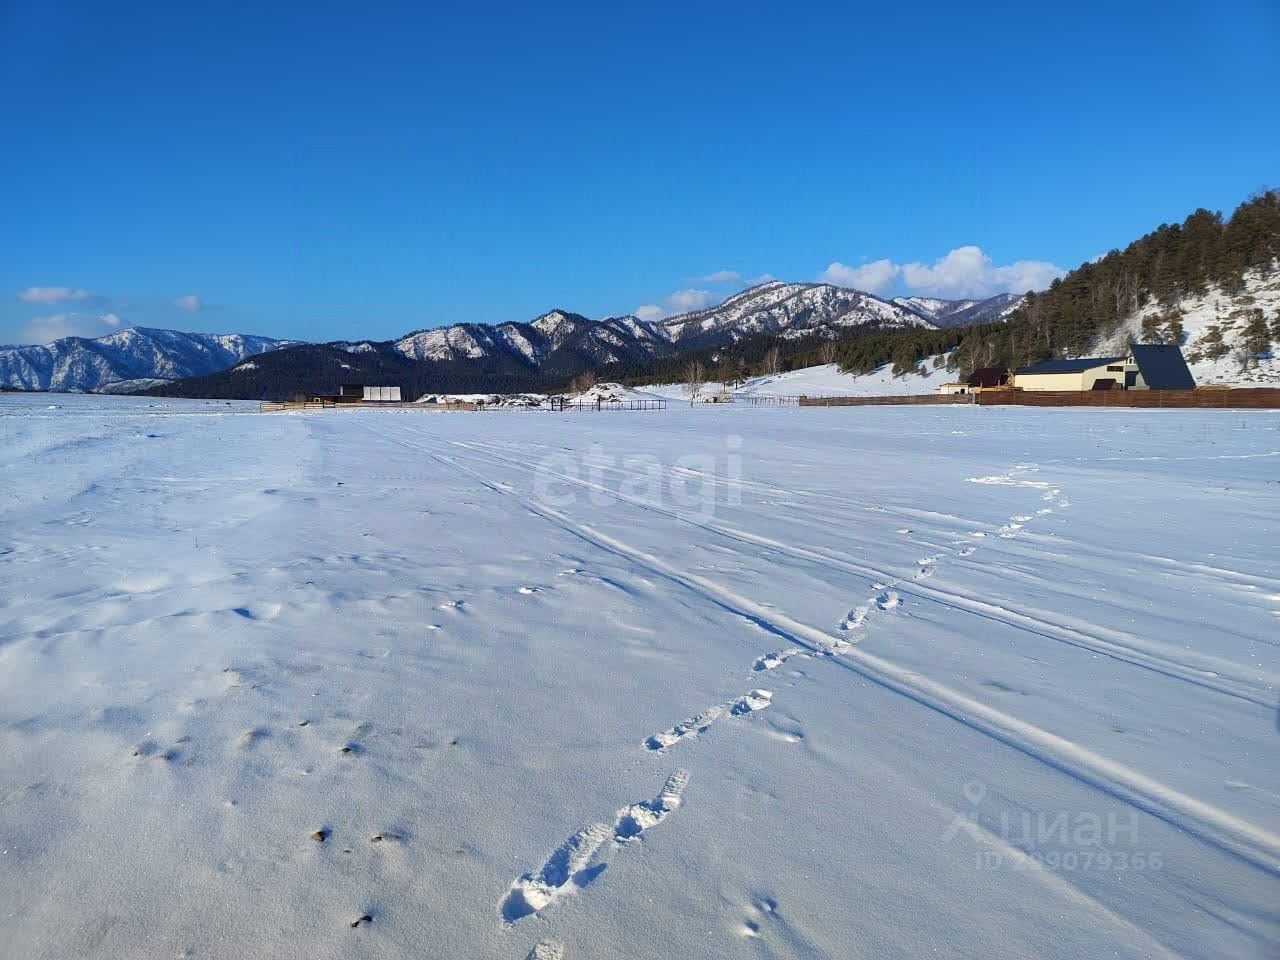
{"x": 1172, "y": 263}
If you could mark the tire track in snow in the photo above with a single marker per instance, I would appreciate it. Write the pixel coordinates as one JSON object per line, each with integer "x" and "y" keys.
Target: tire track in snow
{"x": 1207, "y": 672}
{"x": 1241, "y": 838}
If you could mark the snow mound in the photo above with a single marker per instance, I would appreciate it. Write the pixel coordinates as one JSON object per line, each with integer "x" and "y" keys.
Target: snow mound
{"x": 606, "y": 393}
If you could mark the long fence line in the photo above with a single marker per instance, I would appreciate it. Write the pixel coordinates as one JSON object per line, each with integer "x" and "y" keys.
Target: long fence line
{"x": 274, "y": 406}
{"x": 1247, "y": 398}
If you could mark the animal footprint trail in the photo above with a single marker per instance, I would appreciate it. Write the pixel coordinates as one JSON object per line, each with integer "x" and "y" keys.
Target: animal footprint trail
{"x": 696, "y": 725}
{"x": 563, "y": 874}
{"x": 576, "y": 862}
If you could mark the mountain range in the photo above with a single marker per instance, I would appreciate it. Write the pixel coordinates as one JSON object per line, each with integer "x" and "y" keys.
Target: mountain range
{"x": 126, "y": 360}
{"x": 556, "y": 345}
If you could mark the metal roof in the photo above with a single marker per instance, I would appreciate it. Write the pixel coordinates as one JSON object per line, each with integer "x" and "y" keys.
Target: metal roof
{"x": 1070, "y": 366}
{"x": 1162, "y": 366}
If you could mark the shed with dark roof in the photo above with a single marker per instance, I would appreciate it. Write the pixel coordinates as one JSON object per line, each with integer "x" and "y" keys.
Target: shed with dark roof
{"x": 988, "y": 377}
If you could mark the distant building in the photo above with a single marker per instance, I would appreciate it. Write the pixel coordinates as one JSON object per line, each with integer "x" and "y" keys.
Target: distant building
{"x": 360, "y": 393}
{"x": 984, "y": 378}
{"x": 1147, "y": 366}
{"x": 988, "y": 378}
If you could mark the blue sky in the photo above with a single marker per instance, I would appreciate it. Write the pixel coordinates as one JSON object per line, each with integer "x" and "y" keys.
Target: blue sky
{"x": 359, "y": 170}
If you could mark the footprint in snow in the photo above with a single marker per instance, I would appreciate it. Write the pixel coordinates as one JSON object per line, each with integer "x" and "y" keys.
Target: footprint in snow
{"x": 775, "y": 659}
{"x": 547, "y": 950}
{"x": 698, "y": 724}
{"x": 574, "y": 864}
{"x": 760, "y": 912}
{"x": 967, "y": 551}
{"x": 889, "y": 600}
{"x": 855, "y": 618}
{"x": 564, "y": 873}
{"x": 633, "y": 820}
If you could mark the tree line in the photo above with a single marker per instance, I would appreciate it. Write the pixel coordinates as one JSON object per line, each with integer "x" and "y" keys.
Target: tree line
{"x": 1172, "y": 262}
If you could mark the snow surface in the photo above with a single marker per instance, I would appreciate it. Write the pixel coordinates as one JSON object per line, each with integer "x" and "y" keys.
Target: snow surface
{"x": 825, "y": 380}
{"x": 714, "y": 681}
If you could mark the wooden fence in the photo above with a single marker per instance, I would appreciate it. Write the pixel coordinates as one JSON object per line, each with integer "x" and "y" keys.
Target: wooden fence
{"x": 1254, "y": 398}
{"x": 913, "y": 400}
{"x": 272, "y": 406}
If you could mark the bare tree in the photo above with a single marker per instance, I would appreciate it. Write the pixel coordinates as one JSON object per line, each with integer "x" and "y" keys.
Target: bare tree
{"x": 773, "y": 359}
{"x": 827, "y": 352}
{"x": 583, "y": 381}
{"x": 695, "y": 375}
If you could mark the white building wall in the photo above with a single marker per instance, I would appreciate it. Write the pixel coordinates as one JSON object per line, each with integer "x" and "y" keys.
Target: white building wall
{"x": 1076, "y": 380}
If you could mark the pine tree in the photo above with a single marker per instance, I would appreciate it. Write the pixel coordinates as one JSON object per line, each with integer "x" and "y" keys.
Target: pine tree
{"x": 1257, "y": 338}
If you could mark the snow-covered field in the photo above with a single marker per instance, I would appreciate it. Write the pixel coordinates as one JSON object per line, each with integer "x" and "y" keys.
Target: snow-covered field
{"x": 705, "y": 682}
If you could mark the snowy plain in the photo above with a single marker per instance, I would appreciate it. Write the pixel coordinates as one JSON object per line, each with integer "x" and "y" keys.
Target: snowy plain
{"x": 714, "y": 681}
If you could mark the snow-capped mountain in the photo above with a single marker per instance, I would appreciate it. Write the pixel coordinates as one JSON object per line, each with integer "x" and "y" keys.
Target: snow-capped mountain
{"x": 557, "y": 344}
{"x": 962, "y": 313}
{"x": 776, "y": 308}
{"x": 135, "y": 354}
{"x": 787, "y": 310}
{"x": 536, "y": 343}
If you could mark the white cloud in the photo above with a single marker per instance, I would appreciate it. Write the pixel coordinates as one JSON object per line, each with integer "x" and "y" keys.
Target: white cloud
{"x": 875, "y": 277}
{"x": 190, "y": 303}
{"x": 722, "y": 276}
{"x": 968, "y": 272}
{"x": 48, "y": 295}
{"x": 681, "y": 301}
{"x": 965, "y": 272}
{"x": 58, "y": 325}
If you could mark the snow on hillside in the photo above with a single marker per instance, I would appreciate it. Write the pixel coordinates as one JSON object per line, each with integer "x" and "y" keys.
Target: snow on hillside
{"x": 606, "y": 393}
{"x": 1229, "y": 313}
{"x": 789, "y": 310}
{"x": 825, "y": 380}
{"x": 716, "y": 683}
{"x": 828, "y": 380}
{"x": 134, "y": 354}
